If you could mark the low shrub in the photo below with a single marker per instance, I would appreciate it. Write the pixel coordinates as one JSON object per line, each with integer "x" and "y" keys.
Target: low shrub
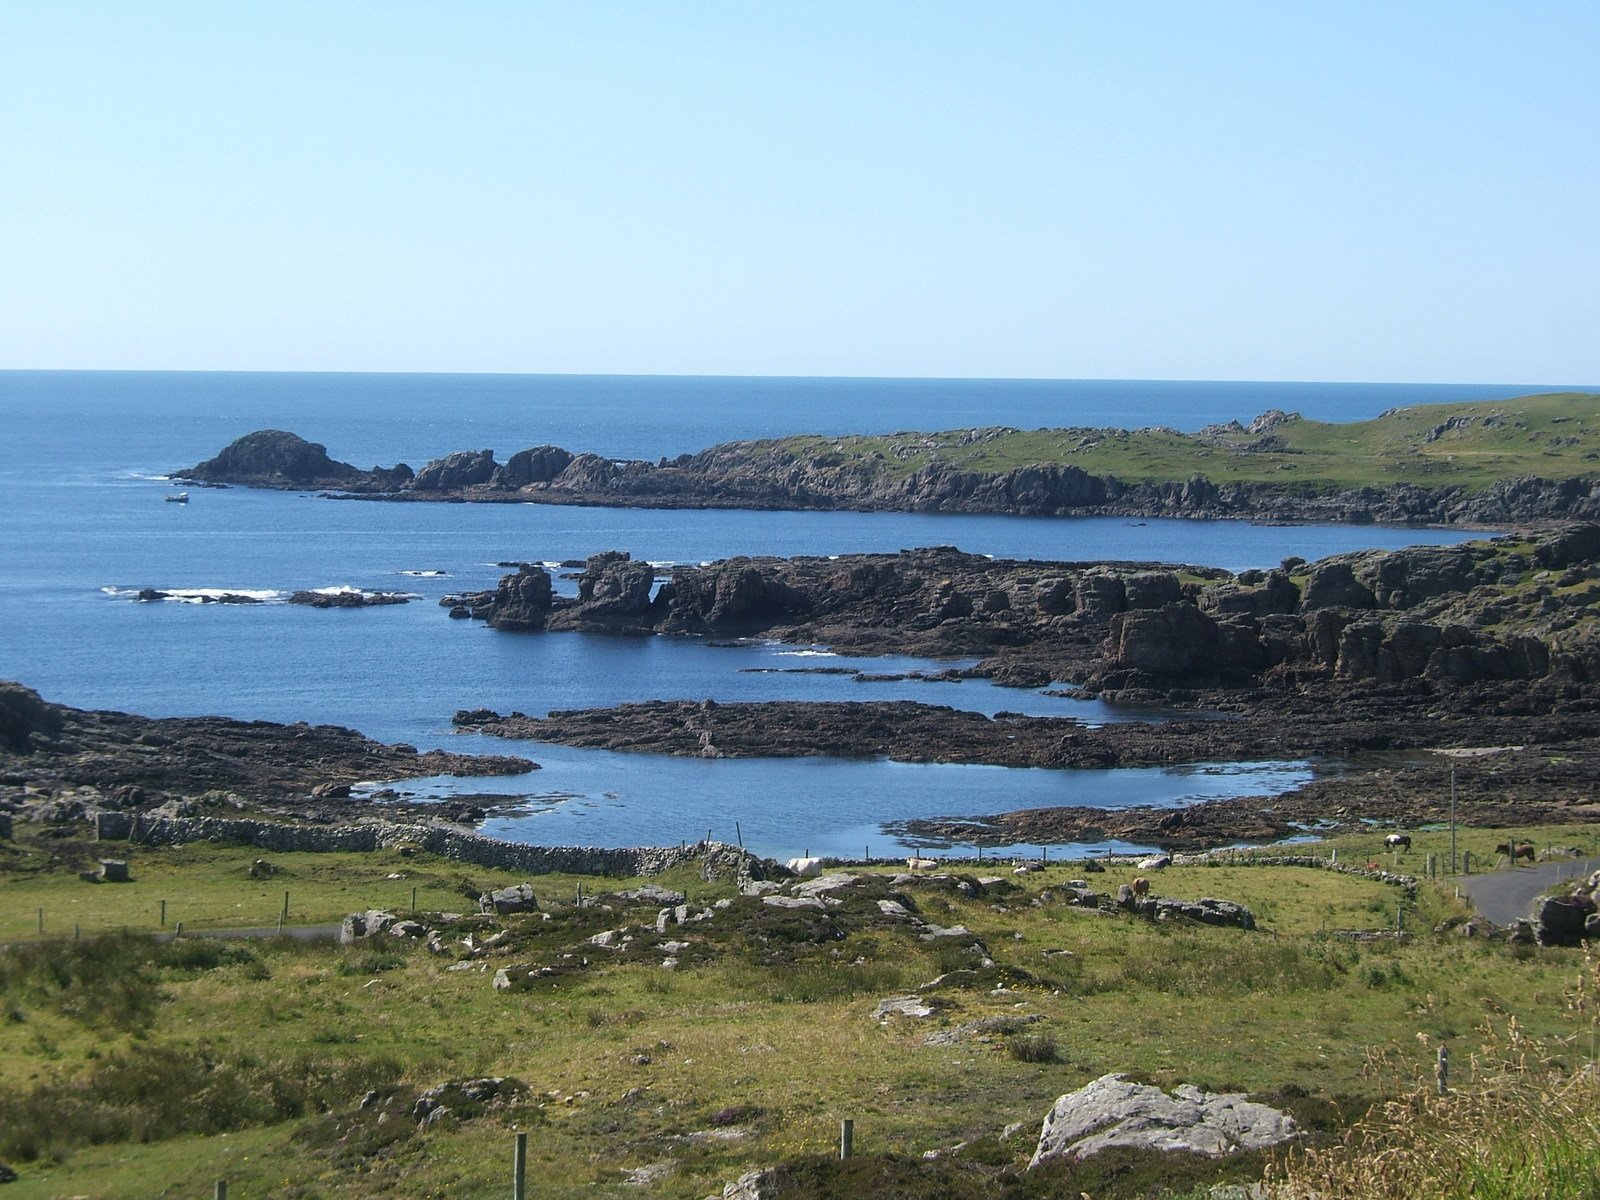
{"x": 1033, "y": 1048}
{"x": 154, "y": 1093}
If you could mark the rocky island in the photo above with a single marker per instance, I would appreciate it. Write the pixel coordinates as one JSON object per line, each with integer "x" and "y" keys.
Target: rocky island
{"x": 1488, "y": 464}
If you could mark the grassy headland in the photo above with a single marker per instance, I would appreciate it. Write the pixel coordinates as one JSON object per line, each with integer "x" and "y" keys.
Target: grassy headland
{"x": 1467, "y": 445}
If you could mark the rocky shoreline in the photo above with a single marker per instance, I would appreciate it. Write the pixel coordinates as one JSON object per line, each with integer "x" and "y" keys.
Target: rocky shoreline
{"x": 1384, "y": 667}
{"x": 63, "y": 763}
{"x": 778, "y": 476}
{"x": 1367, "y": 663}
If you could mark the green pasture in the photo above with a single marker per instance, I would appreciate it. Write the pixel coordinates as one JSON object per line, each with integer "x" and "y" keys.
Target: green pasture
{"x": 1469, "y": 445}
{"x": 248, "y": 1060}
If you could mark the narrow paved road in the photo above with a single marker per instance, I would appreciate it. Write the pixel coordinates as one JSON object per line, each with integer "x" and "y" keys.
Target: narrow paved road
{"x": 1505, "y": 895}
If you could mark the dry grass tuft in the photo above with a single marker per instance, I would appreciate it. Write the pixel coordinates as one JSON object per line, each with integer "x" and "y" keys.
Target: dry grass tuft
{"x": 1518, "y": 1122}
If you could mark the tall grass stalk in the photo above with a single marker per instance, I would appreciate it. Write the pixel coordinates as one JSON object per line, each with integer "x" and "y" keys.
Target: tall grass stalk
{"x": 1522, "y": 1124}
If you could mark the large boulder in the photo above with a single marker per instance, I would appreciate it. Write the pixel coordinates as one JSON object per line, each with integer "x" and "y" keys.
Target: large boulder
{"x": 541, "y": 464}
{"x": 1575, "y": 544}
{"x": 371, "y": 923}
{"x": 1152, "y": 589}
{"x": 1099, "y": 595}
{"x": 463, "y": 469}
{"x": 1561, "y": 920}
{"x": 1113, "y": 1112}
{"x": 1174, "y": 640}
{"x": 24, "y": 715}
{"x": 515, "y": 899}
{"x": 613, "y": 585}
{"x": 1332, "y": 583}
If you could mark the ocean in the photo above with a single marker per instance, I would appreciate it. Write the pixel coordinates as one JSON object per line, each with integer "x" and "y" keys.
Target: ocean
{"x": 83, "y": 526}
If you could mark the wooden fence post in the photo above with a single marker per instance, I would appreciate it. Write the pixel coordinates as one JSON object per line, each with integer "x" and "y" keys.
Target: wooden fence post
{"x": 519, "y": 1168}
{"x": 847, "y": 1138}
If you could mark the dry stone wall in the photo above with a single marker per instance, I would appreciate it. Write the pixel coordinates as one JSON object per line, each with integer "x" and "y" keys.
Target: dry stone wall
{"x": 461, "y": 845}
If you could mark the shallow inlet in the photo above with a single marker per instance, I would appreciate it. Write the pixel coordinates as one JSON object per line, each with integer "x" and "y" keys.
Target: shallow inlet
{"x": 827, "y": 806}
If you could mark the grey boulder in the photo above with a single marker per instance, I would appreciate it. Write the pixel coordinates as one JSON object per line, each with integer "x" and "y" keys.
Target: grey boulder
{"x": 1114, "y": 1112}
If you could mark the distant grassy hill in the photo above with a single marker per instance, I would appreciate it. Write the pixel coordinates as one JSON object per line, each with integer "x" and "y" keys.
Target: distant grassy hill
{"x": 1432, "y": 445}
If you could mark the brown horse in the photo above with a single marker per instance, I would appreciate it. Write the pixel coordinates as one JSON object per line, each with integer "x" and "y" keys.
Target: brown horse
{"x": 1516, "y": 850}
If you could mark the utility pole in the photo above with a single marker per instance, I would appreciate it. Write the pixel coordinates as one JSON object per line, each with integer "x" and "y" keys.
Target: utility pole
{"x": 1452, "y": 820}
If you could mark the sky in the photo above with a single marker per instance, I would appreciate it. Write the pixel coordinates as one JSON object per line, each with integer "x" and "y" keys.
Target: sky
{"x": 1394, "y": 191}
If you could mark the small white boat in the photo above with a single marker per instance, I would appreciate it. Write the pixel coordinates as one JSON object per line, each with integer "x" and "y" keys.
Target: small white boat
{"x": 180, "y": 498}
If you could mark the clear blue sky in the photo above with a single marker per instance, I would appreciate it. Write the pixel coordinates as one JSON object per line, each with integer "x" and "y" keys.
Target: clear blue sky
{"x": 1388, "y": 191}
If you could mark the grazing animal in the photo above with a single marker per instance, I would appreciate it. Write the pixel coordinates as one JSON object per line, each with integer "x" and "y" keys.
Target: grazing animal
{"x": 1141, "y": 886}
{"x": 921, "y": 864}
{"x": 1371, "y": 867}
{"x": 1516, "y": 850}
{"x": 1398, "y": 841}
{"x": 806, "y": 868}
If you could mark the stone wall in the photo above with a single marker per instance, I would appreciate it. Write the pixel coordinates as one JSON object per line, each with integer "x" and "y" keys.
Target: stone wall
{"x": 461, "y": 845}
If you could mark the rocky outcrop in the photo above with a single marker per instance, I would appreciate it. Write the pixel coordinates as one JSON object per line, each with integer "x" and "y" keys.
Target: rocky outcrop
{"x": 1566, "y": 918}
{"x": 456, "y": 472}
{"x": 1451, "y": 616}
{"x": 277, "y": 459}
{"x": 521, "y": 602}
{"x": 1114, "y": 1112}
{"x": 135, "y": 761}
{"x": 541, "y": 464}
{"x": 348, "y": 598}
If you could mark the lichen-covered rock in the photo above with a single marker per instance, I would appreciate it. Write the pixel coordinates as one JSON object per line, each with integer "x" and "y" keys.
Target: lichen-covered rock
{"x": 356, "y": 926}
{"x": 1561, "y": 920}
{"x": 1114, "y": 1112}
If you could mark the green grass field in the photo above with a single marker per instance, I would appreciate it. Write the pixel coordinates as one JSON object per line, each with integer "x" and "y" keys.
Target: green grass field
{"x": 1469, "y": 445}
{"x": 159, "y": 1070}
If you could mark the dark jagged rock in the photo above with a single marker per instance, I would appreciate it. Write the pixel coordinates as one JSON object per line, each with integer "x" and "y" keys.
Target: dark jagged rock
{"x": 1448, "y": 615}
{"x": 348, "y": 598}
{"x": 274, "y": 458}
{"x": 1464, "y": 646}
{"x": 541, "y": 464}
{"x": 456, "y": 472}
{"x": 522, "y": 601}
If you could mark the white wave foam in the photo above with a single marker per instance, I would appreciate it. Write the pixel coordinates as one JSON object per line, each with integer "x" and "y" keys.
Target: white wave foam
{"x": 807, "y": 654}
{"x": 424, "y": 574}
{"x": 203, "y": 595}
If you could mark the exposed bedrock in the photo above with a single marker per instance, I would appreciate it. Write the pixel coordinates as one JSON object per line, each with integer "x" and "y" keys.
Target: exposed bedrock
{"x": 275, "y": 458}
{"x": 1501, "y": 610}
{"x": 47, "y": 745}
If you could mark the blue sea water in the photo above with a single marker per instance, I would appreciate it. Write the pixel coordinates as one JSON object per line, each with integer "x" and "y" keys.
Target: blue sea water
{"x": 83, "y": 524}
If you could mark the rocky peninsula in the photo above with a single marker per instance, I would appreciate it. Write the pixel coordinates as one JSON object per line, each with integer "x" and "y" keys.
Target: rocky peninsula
{"x": 59, "y": 762}
{"x": 1490, "y": 464}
